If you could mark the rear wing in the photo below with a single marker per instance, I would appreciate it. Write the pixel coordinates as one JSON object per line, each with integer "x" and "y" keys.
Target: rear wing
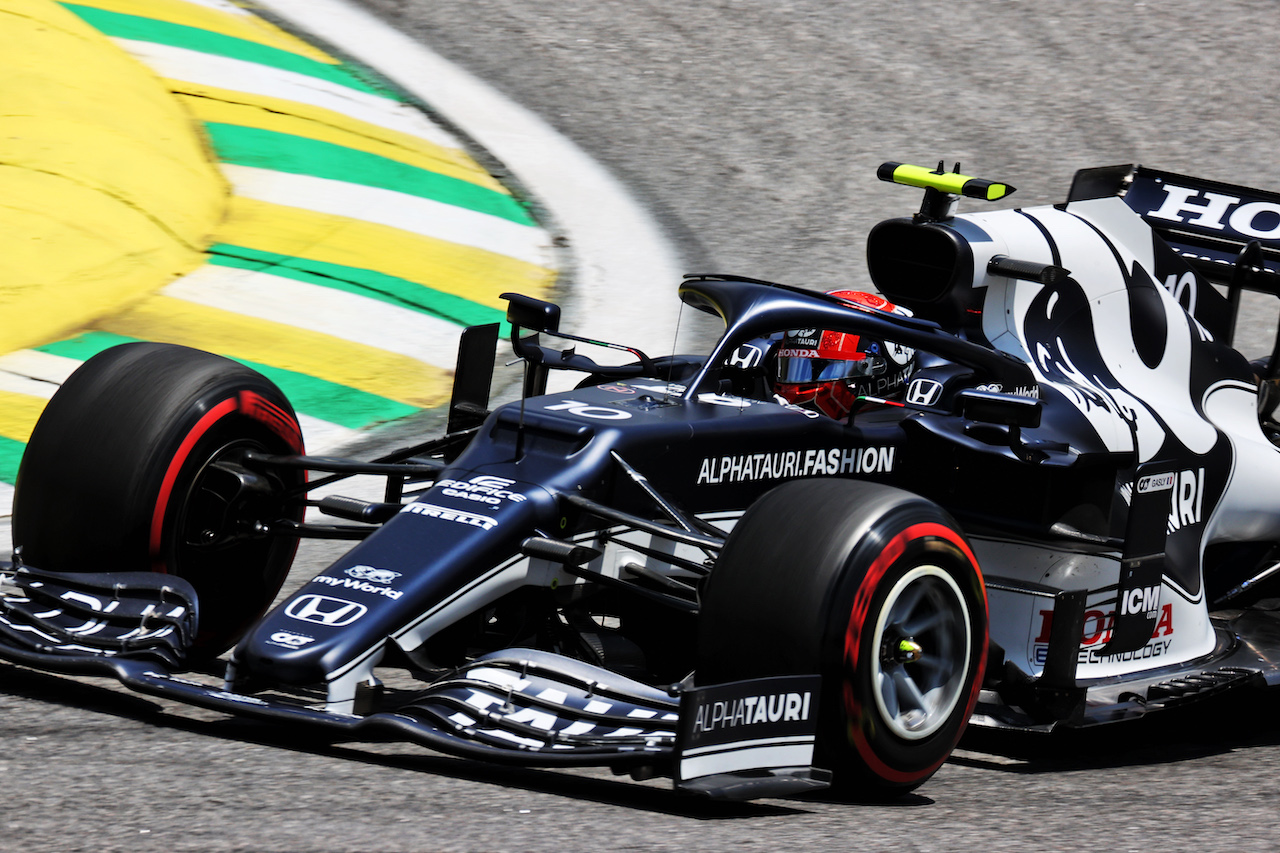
{"x": 1229, "y": 234}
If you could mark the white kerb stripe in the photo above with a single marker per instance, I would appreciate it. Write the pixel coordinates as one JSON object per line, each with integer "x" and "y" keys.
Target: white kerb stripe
{"x": 47, "y": 368}
{"x": 14, "y": 383}
{"x": 321, "y": 309}
{"x": 222, "y": 6}
{"x": 236, "y": 74}
{"x": 394, "y": 209}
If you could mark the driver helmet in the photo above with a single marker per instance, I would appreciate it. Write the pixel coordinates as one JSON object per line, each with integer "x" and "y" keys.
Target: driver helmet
{"x": 827, "y": 371}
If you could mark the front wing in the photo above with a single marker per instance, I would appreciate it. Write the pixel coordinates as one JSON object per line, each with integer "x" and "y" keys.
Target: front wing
{"x": 517, "y": 706}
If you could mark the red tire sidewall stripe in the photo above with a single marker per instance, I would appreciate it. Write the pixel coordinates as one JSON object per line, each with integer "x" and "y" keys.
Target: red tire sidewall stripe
{"x": 853, "y": 638}
{"x": 273, "y": 417}
{"x": 202, "y": 427}
{"x": 245, "y": 402}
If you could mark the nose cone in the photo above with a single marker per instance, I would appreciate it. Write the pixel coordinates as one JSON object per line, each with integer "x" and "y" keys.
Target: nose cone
{"x": 434, "y": 554}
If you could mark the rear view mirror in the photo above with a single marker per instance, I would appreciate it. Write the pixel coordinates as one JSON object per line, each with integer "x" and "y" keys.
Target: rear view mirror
{"x": 532, "y": 314}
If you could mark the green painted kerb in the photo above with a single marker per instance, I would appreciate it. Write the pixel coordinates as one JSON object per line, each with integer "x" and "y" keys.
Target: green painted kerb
{"x": 133, "y": 27}
{"x": 284, "y": 152}
{"x": 368, "y": 283}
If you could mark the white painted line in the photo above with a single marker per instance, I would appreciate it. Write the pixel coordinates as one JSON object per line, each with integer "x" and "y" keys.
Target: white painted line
{"x": 223, "y": 72}
{"x": 394, "y": 209}
{"x": 321, "y": 309}
{"x": 626, "y": 272}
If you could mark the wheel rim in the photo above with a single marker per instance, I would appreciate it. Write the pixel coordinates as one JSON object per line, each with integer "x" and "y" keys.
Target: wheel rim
{"x": 237, "y": 571}
{"x": 204, "y": 512}
{"x": 921, "y": 652}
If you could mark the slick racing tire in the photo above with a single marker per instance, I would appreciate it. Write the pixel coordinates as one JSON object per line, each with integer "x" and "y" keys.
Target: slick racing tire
{"x": 877, "y": 591}
{"x": 135, "y": 465}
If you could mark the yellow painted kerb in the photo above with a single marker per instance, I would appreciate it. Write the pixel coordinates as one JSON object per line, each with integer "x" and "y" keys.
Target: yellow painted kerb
{"x": 107, "y": 191}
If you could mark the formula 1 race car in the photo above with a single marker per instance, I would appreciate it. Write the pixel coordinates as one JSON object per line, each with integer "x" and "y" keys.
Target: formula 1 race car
{"x": 1050, "y": 502}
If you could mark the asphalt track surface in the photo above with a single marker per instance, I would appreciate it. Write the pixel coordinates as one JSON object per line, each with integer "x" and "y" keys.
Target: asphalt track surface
{"x": 752, "y": 129}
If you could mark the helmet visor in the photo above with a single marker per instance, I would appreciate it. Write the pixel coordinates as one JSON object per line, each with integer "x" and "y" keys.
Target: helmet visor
{"x": 795, "y": 370}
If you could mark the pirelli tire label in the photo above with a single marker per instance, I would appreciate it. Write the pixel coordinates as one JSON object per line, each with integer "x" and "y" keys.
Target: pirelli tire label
{"x": 747, "y": 727}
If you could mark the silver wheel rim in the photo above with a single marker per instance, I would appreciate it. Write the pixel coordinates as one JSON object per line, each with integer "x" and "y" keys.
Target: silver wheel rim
{"x": 921, "y": 649}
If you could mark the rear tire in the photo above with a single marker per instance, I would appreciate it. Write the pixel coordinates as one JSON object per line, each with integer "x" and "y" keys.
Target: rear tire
{"x": 134, "y": 466}
{"x": 875, "y": 589}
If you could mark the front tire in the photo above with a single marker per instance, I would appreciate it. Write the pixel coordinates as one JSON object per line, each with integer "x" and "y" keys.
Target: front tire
{"x": 875, "y": 589}
{"x": 135, "y": 465}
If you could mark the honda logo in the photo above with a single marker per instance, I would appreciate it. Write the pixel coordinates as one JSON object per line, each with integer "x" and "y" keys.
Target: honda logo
{"x": 323, "y": 610}
{"x": 924, "y": 392}
{"x": 746, "y": 357}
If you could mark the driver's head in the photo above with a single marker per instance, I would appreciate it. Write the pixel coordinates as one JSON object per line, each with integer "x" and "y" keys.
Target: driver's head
{"x": 827, "y": 371}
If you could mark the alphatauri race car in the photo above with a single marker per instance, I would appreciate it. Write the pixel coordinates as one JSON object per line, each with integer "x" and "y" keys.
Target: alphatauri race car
{"x": 1042, "y": 495}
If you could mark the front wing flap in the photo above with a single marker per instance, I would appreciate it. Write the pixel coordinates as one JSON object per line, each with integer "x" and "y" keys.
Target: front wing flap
{"x": 545, "y": 704}
{"x": 137, "y": 615}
